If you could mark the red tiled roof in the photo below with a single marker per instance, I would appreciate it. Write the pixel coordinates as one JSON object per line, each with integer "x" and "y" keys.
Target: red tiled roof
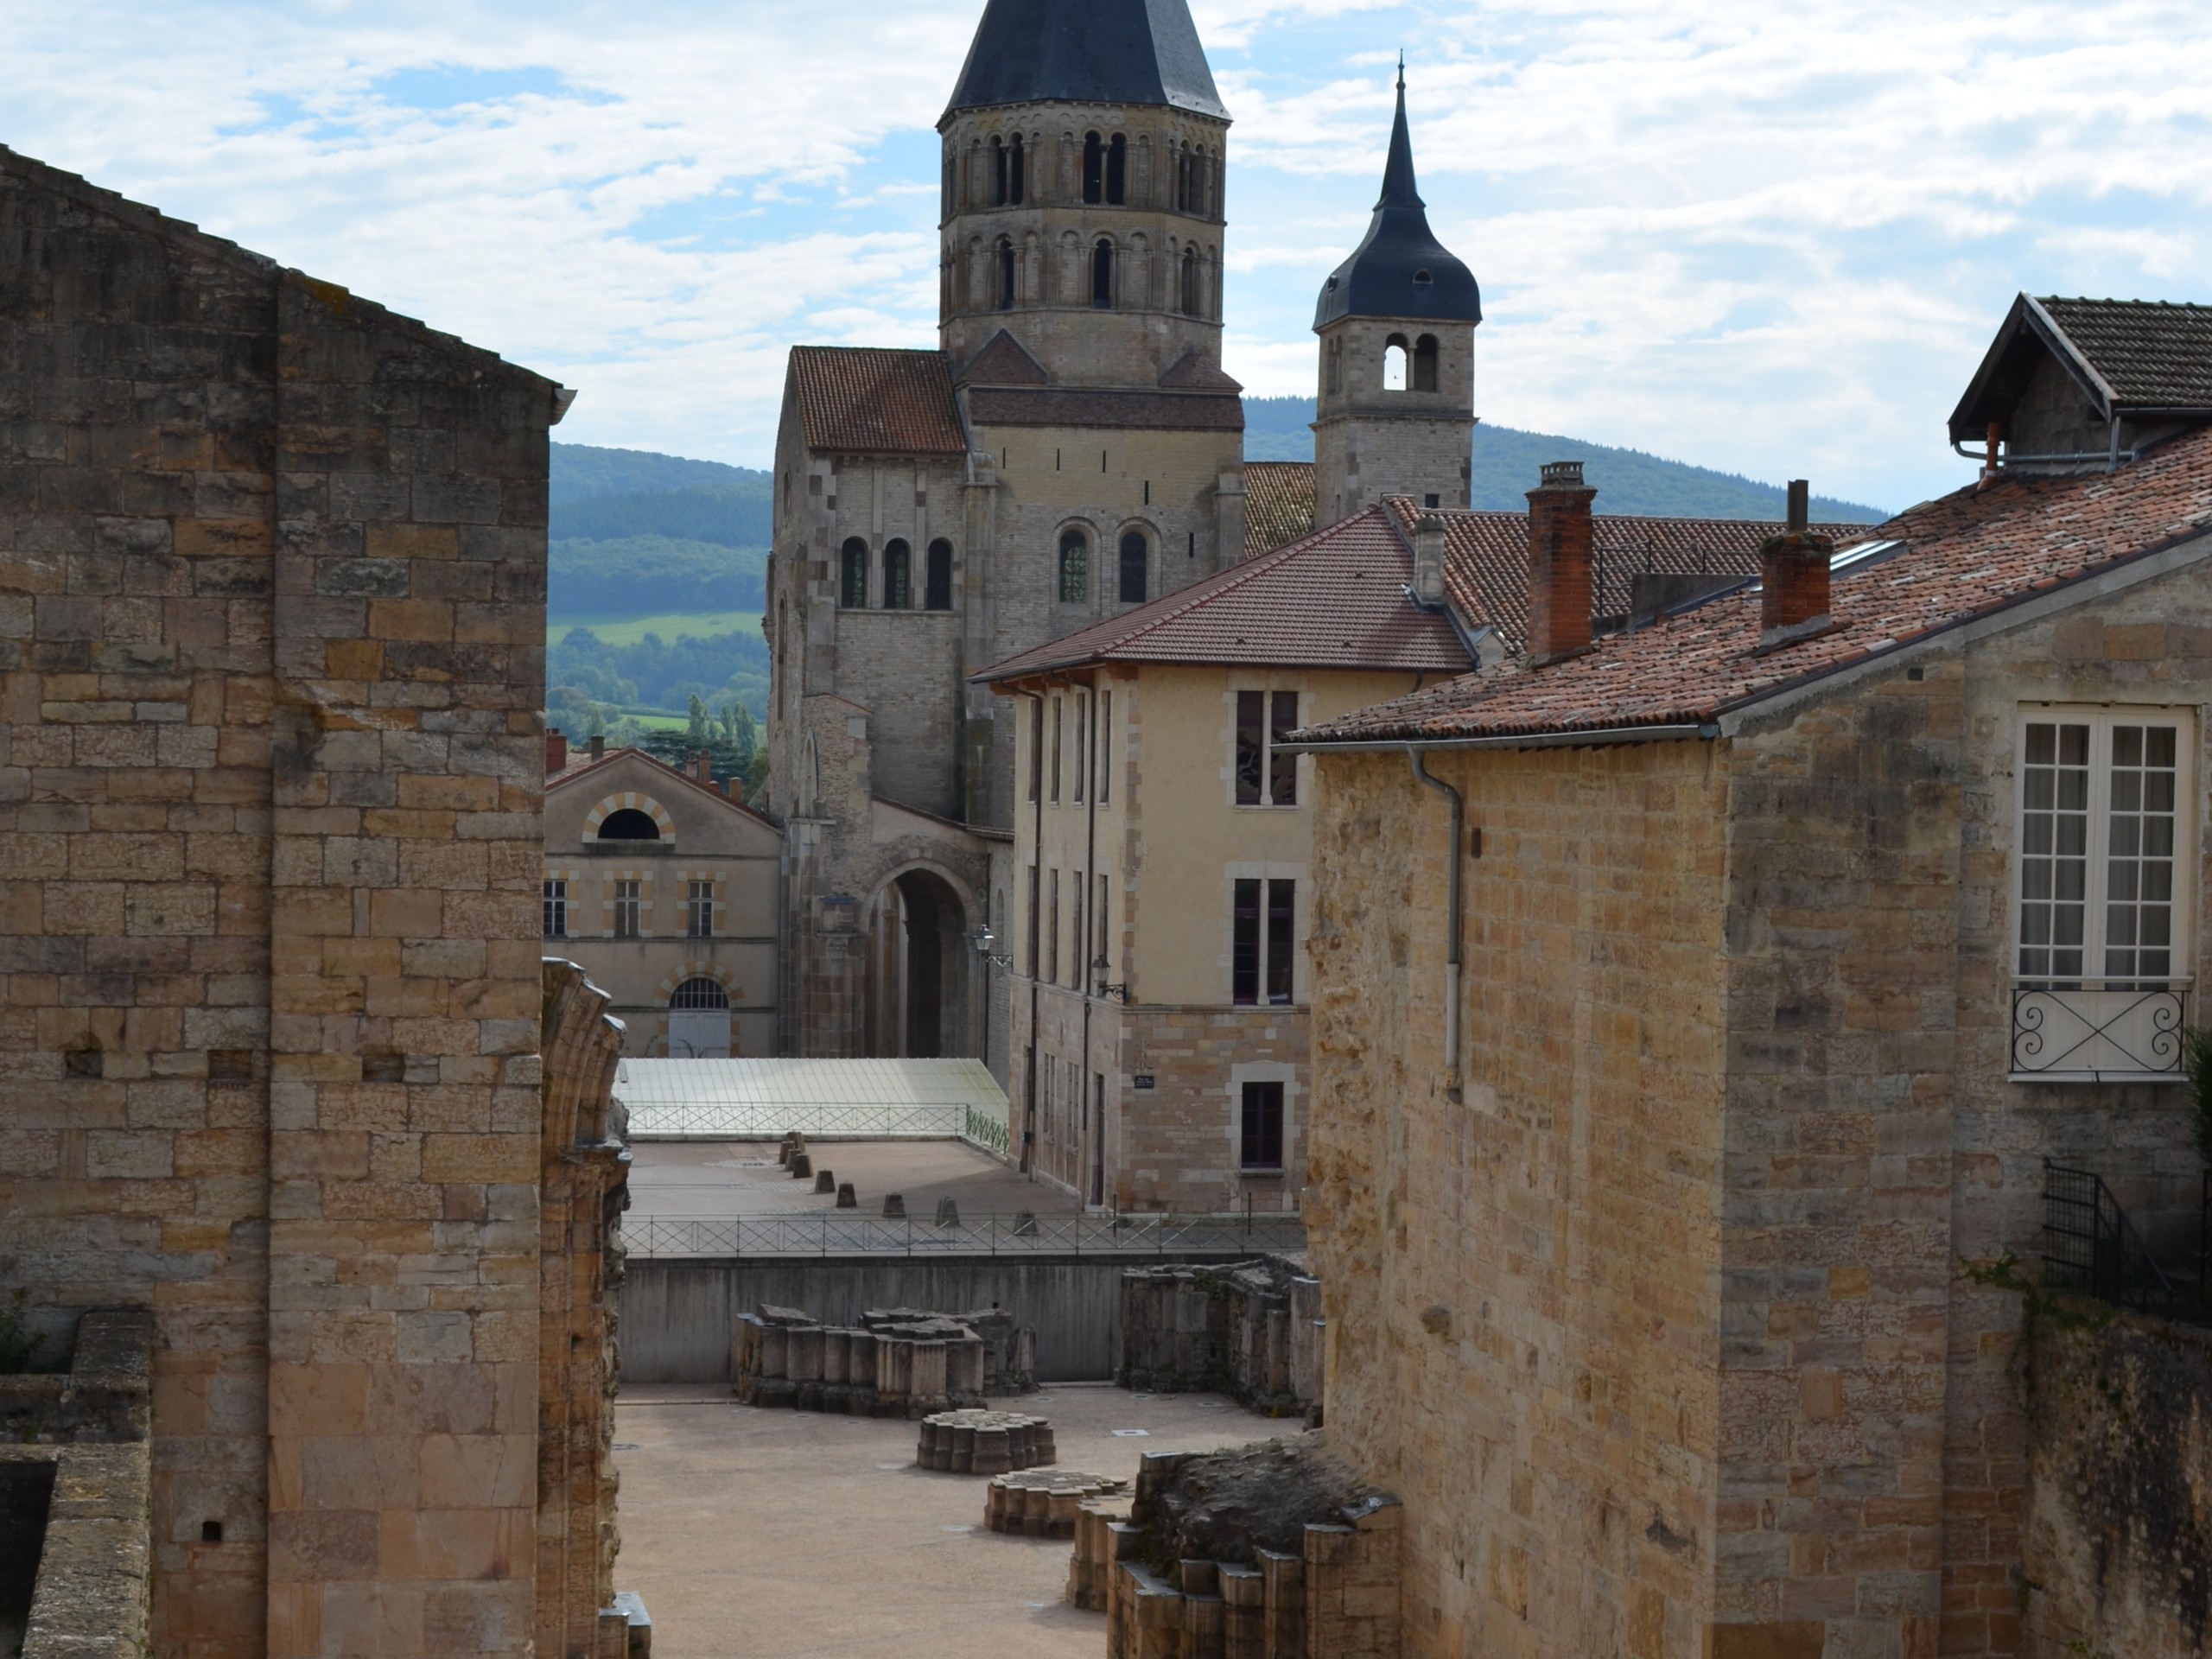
{"x": 1278, "y": 503}
{"x": 581, "y": 762}
{"x": 859, "y": 398}
{"x": 1967, "y": 555}
{"x": 1486, "y": 557}
{"x": 1335, "y": 600}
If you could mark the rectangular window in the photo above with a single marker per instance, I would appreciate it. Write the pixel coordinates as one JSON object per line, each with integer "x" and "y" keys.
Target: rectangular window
{"x": 1078, "y": 934}
{"x": 2102, "y": 873}
{"x": 1103, "y": 927}
{"x": 1262, "y": 1140}
{"x": 1244, "y": 951}
{"x": 1283, "y": 769}
{"x": 1036, "y": 747}
{"x": 1266, "y": 777}
{"x": 1036, "y": 921}
{"x": 699, "y": 911}
{"x": 1282, "y": 909}
{"x": 629, "y": 910}
{"x": 1052, "y": 941}
{"x": 556, "y": 910}
{"x": 1057, "y": 724}
{"x": 1082, "y": 731}
{"x": 1105, "y": 748}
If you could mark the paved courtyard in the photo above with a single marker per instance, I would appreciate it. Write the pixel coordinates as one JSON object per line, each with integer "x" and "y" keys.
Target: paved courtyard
{"x": 741, "y": 1178}
{"x": 771, "y": 1534}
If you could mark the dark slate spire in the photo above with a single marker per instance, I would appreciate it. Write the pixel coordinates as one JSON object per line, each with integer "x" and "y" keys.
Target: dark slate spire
{"x": 1400, "y": 270}
{"x": 1144, "y": 52}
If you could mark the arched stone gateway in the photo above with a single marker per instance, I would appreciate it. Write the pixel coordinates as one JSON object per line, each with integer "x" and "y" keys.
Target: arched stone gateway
{"x": 920, "y": 963}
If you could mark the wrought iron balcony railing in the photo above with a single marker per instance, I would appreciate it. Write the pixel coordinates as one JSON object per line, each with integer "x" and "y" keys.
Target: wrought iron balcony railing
{"x": 2099, "y": 1031}
{"x": 2092, "y": 1249}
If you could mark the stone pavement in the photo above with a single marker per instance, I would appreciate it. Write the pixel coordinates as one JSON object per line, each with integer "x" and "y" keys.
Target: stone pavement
{"x": 741, "y": 1178}
{"x": 758, "y": 1534}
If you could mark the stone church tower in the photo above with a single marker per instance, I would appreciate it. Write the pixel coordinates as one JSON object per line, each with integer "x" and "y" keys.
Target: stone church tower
{"x": 1071, "y": 450}
{"x": 1397, "y": 383}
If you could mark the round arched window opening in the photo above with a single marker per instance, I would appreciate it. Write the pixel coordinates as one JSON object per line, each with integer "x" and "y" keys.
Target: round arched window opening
{"x": 629, "y": 824}
{"x": 700, "y": 996}
{"x": 1423, "y": 276}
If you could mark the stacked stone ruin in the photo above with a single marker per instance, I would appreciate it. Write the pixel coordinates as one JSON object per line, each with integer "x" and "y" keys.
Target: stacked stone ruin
{"x": 983, "y": 1442}
{"x": 1044, "y": 1502}
{"x": 1250, "y": 1331}
{"x": 1335, "y": 1598}
{"x": 896, "y": 1363}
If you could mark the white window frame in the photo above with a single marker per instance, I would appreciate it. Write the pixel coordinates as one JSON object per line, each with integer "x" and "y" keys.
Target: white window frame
{"x": 2091, "y": 1026}
{"x": 556, "y": 907}
{"x": 699, "y": 906}
{"x": 619, "y": 899}
{"x": 1301, "y": 784}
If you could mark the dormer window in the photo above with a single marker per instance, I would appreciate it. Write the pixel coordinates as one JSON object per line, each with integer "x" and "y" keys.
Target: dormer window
{"x": 1423, "y": 279}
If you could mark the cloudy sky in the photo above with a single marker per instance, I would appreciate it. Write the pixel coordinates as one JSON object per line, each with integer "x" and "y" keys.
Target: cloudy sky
{"x": 1769, "y": 238}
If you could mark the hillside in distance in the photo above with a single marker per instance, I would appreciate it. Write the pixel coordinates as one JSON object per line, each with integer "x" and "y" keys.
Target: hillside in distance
{"x": 1506, "y": 461}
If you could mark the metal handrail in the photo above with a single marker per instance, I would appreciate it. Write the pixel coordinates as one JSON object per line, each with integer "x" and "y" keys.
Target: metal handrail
{"x": 833, "y": 1233}
{"x": 2092, "y": 1248}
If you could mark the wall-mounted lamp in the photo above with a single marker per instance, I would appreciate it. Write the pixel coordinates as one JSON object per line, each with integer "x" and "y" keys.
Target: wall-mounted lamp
{"x": 984, "y": 939}
{"x": 1099, "y": 970}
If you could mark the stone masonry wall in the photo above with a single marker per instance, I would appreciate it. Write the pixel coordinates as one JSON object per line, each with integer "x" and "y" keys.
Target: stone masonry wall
{"x": 271, "y": 613}
{"x": 1520, "y": 1273}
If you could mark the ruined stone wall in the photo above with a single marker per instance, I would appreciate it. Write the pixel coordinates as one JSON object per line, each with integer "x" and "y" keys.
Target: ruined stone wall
{"x": 1521, "y": 1272}
{"x": 272, "y": 615}
{"x": 2119, "y": 1525}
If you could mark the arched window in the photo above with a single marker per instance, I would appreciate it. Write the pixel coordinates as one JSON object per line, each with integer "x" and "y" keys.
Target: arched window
{"x": 998, "y": 172}
{"x": 1101, "y": 276}
{"x": 1182, "y": 178}
{"x": 699, "y": 995}
{"x": 853, "y": 588}
{"x": 1075, "y": 568}
{"x": 898, "y": 576}
{"x": 1337, "y": 364}
{"x": 1136, "y": 558}
{"x": 1394, "y": 364}
{"x": 939, "y": 594}
{"x": 1094, "y": 168}
{"x": 1425, "y": 362}
{"x": 1017, "y": 170}
{"x": 628, "y": 824}
{"x": 1005, "y": 275}
{"x": 1117, "y": 171}
{"x": 1191, "y": 292}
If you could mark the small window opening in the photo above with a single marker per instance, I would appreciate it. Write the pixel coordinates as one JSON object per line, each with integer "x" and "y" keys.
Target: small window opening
{"x": 998, "y": 172}
{"x": 628, "y": 824}
{"x": 1117, "y": 171}
{"x": 1261, "y": 1141}
{"x": 898, "y": 576}
{"x": 1137, "y": 557}
{"x": 1005, "y": 275}
{"x": 1101, "y": 276}
{"x": 1423, "y": 276}
{"x": 1394, "y": 364}
{"x": 699, "y": 995}
{"x": 853, "y": 589}
{"x": 937, "y": 594}
{"x": 1075, "y": 558}
{"x": 210, "y": 1532}
{"x": 1017, "y": 170}
{"x": 1094, "y": 168}
{"x": 1424, "y": 364}
{"x": 1190, "y": 290}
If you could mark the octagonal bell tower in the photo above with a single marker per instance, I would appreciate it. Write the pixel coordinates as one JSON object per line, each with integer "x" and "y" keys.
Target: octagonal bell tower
{"x": 1397, "y": 319}
{"x": 1084, "y": 154}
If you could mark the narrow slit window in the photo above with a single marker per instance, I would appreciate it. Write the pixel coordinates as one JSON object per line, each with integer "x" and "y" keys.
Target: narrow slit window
{"x": 1191, "y": 293}
{"x": 1282, "y": 913}
{"x": 998, "y": 172}
{"x": 853, "y": 588}
{"x": 1282, "y": 767}
{"x": 1036, "y": 747}
{"x": 1117, "y": 171}
{"x": 1136, "y": 559}
{"x": 1017, "y": 171}
{"x": 1105, "y": 748}
{"x": 1055, "y": 750}
{"x": 1005, "y": 275}
{"x": 1244, "y": 944}
{"x": 937, "y": 594}
{"x": 1052, "y": 932}
{"x": 1094, "y": 168}
{"x": 1251, "y": 747}
{"x": 1081, "y": 772}
{"x": 898, "y": 576}
{"x": 1101, "y": 276}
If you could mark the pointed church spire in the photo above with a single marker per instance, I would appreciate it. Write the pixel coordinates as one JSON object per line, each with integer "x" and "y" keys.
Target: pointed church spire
{"x": 1399, "y": 268}
{"x": 1398, "y": 187}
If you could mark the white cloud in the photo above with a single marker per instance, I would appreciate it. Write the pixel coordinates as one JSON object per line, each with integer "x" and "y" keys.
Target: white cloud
{"x": 1770, "y": 239}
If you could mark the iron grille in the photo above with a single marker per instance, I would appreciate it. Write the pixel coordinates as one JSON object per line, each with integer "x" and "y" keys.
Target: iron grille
{"x": 831, "y": 1234}
{"x": 2092, "y": 1249}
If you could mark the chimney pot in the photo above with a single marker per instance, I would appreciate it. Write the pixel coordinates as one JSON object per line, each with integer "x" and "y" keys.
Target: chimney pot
{"x": 1794, "y": 584}
{"x": 599, "y": 747}
{"x": 557, "y": 750}
{"x": 1430, "y": 540}
{"x": 1561, "y": 539}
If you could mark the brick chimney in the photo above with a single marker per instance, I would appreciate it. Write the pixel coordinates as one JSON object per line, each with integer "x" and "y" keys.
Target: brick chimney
{"x": 598, "y": 747}
{"x": 703, "y": 771}
{"x": 1794, "y": 577}
{"x": 557, "y": 750}
{"x": 1429, "y": 540}
{"x": 1560, "y": 549}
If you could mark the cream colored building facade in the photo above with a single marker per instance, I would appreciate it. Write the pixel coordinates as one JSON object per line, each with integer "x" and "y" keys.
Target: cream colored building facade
{"x": 665, "y": 891}
{"x": 1163, "y": 869}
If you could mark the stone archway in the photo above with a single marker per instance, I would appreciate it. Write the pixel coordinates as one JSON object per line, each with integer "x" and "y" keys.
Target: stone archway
{"x": 919, "y": 964}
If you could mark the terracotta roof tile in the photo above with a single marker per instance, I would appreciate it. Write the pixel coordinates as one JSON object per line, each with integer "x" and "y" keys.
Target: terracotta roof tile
{"x": 862, "y": 399}
{"x": 1486, "y": 557}
{"x": 1278, "y": 503}
{"x": 2151, "y": 354}
{"x": 1965, "y": 556}
{"x": 1334, "y": 599}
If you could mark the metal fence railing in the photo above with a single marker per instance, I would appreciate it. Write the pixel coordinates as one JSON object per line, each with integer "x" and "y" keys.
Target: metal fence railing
{"x": 832, "y": 1233}
{"x": 2092, "y": 1249}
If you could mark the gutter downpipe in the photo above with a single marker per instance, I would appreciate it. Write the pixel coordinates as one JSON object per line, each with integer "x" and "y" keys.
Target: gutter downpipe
{"x": 1452, "y": 961}
{"x": 1084, "y": 1164}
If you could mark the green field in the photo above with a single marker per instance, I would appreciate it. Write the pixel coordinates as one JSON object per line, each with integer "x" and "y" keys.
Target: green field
{"x": 629, "y": 630}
